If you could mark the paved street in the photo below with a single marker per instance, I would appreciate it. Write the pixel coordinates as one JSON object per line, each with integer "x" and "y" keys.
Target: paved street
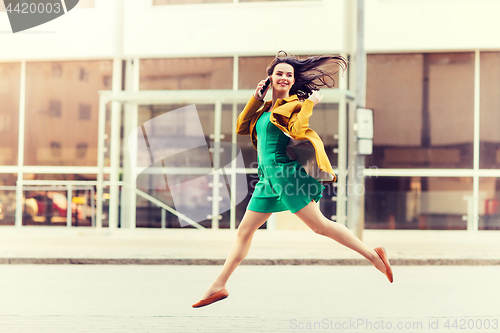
{"x": 143, "y": 298}
{"x": 58, "y": 245}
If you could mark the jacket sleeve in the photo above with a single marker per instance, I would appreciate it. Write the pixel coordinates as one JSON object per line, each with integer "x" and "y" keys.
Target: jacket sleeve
{"x": 245, "y": 117}
{"x": 299, "y": 121}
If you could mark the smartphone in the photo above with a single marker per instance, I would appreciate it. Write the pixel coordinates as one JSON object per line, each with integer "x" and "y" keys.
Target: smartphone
{"x": 268, "y": 82}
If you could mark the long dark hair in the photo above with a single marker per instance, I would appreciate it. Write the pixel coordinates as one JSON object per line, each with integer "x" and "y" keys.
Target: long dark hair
{"x": 308, "y": 75}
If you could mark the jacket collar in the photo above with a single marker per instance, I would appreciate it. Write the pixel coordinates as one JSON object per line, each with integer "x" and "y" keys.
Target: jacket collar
{"x": 291, "y": 98}
{"x": 286, "y": 100}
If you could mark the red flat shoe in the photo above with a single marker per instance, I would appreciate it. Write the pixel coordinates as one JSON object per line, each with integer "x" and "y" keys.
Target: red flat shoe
{"x": 221, "y": 294}
{"x": 381, "y": 253}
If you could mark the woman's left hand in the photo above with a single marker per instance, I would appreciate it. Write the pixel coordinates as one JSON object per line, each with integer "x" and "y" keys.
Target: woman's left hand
{"x": 315, "y": 97}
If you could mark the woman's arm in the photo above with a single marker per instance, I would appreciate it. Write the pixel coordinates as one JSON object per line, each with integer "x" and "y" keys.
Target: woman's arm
{"x": 299, "y": 121}
{"x": 245, "y": 117}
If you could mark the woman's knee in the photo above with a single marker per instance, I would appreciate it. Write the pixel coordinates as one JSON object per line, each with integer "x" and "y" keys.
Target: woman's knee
{"x": 319, "y": 228}
{"x": 314, "y": 219}
{"x": 245, "y": 233}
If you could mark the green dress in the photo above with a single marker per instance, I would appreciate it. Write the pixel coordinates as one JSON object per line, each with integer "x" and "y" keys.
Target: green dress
{"x": 283, "y": 183}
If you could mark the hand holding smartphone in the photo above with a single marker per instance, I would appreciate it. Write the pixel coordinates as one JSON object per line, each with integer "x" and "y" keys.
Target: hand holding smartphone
{"x": 262, "y": 90}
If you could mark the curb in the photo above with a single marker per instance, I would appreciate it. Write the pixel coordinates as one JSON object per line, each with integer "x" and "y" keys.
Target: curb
{"x": 328, "y": 262}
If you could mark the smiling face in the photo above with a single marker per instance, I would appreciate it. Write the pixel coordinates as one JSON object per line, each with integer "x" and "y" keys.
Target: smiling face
{"x": 282, "y": 78}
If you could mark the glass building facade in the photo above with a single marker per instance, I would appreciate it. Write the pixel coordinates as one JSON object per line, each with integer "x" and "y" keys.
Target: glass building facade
{"x": 436, "y": 146}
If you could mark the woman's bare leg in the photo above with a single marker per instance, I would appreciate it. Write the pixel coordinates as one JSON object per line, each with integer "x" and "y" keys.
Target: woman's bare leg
{"x": 249, "y": 224}
{"x": 314, "y": 219}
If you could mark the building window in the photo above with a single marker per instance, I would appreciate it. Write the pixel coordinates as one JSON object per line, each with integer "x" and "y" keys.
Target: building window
{"x": 77, "y": 97}
{"x": 55, "y": 149}
{"x": 417, "y": 202}
{"x": 55, "y": 108}
{"x": 81, "y": 150}
{"x": 489, "y": 203}
{"x": 186, "y": 73}
{"x": 56, "y": 69}
{"x": 423, "y": 107}
{"x": 84, "y": 74}
{"x": 252, "y": 70}
{"x": 10, "y": 79}
{"x": 84, "y": 111}
{"x": 4, "y": 122}
{"x": 490, "y": 111}
{"x": 106, "y": 81}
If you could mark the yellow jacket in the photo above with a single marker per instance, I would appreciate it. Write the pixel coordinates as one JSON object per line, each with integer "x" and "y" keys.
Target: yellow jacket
{"x": 292, "y": 117}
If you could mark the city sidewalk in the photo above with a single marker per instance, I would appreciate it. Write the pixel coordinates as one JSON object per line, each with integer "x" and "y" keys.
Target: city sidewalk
{"x": 81, "y": 245}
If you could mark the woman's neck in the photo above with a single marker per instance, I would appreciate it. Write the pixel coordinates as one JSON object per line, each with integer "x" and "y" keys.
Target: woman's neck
{"x": 278, "y": 95}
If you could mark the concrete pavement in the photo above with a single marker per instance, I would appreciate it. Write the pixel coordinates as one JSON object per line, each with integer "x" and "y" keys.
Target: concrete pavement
{"x": 293, "y": 281}
{"x": 62, "y": 245}
{"x": 141, "y": 298}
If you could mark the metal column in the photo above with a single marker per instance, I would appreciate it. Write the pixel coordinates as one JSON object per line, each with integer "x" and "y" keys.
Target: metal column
{"x": 234, "y": 151}
{"x": 234, "y": 141}
{"x": 101, "y": 136}
{"x": 20, "y": 150}
{"x": 474, "y": 225}
{"x": 356, "y": 180}
{"x": 342, "y": 162}
{"x": 216, "y": 173}
{"x": 130, "y": 122}
{"x": 114, "y": 175}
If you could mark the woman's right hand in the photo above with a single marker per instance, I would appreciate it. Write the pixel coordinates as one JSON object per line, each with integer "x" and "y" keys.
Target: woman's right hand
{"x": 257, "y": 91}
{"x": 315, "y": 97}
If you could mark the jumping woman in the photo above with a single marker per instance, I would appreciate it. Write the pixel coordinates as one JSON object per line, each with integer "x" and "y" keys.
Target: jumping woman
{"x": 273, "y": 125}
